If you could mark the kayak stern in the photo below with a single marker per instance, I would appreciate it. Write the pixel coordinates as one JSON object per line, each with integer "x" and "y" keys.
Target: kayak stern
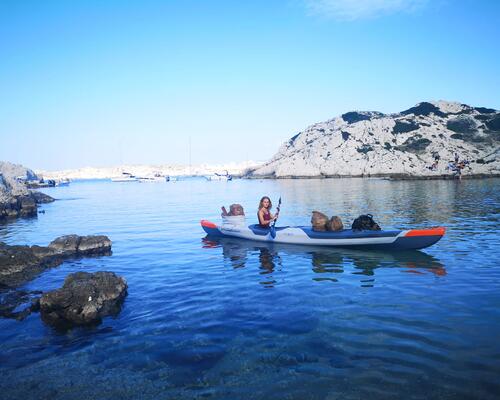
{"x": 419, "y": 238}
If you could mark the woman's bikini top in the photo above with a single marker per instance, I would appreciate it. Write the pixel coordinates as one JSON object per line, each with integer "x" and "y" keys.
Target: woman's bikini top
{"x": 267, "y": 217}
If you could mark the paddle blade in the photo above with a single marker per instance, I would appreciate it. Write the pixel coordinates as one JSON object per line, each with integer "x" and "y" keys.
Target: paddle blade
{"x": 273, "y": 231}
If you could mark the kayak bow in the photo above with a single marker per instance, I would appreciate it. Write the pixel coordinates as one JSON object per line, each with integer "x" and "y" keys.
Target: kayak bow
{"x": 393, "y": 240}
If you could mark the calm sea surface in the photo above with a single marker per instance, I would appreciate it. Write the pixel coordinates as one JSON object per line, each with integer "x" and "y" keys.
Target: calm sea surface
{"x": 234, "y": 319}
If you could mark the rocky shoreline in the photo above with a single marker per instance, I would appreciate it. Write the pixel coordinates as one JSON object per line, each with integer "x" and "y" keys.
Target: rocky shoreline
{"x": 84, "y": 299}
{"x": 16, "y": 200}
{"x": 23, "y": 206}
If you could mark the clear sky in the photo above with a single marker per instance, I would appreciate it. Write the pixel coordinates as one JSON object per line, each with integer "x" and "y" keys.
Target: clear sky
{"x": 100, "y": 83}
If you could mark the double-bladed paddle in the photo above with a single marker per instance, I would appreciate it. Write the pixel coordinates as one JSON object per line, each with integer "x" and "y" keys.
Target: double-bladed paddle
{"x": 273, "y": 224}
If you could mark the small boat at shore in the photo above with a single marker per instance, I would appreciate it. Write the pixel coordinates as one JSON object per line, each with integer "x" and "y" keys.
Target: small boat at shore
{"x": 37, "y": 184}
{"x": 383, "y": 240}
{"x": 63, "y": 182}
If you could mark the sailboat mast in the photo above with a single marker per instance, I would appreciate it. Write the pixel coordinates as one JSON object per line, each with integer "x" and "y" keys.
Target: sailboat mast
{"x": 189, "y": 155}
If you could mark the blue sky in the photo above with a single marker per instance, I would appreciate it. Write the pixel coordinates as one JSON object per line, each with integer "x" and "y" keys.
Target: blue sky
{"x": 109, "y": 82}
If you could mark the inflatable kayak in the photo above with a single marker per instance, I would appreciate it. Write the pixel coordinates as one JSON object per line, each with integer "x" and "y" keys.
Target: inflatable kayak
{"x": 393, "y": 240}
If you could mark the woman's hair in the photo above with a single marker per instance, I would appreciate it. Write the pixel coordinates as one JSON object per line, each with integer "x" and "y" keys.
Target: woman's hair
{"x": 262, "y": 201}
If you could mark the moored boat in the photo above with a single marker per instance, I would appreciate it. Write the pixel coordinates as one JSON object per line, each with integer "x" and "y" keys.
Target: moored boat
{"x": 125, "y": 177}
{"x": 219, "y": 177}
{"x": 391, "y": 240}
{"x": 62, "y": 182}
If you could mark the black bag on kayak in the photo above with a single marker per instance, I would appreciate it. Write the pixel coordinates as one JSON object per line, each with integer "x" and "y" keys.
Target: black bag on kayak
{"x": 365, "y": 223}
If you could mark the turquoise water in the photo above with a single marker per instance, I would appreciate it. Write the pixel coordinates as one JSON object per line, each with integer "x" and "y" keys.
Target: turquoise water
{"x": 232, "y": 319}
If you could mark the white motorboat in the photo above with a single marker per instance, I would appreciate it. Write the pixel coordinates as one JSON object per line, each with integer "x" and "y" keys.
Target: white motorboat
{"x": 219, "y": 177}
{"x": 125, "y": 177}
{"x": 153, "y": 179}
{"x": 62, "y": 182}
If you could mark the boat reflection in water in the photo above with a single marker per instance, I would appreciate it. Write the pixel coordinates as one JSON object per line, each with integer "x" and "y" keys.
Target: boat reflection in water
{"x": 327, "y": 263}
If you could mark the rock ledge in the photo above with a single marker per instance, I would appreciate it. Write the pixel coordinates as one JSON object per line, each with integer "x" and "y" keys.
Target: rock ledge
{"x": 19, "y": 264}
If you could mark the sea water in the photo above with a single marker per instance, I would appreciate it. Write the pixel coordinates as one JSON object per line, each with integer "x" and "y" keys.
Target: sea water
{"x": 228, "y": 319}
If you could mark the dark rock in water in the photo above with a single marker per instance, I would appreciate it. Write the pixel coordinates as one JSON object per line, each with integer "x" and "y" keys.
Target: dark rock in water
{"x": 65, "y": 244}
{"x": 81, "y": 245}
{"x": 19, "y": 264}
{"x": 23, "y": 205}
{"x": 84, "y": 299}
{"x": 41, "y": 198}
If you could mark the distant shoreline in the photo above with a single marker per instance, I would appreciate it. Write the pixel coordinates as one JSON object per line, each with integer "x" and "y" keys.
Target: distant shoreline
{"x": 402, "y": 177}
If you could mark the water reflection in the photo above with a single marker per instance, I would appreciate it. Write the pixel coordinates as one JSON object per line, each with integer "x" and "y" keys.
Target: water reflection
{"x": 328, "y": 263}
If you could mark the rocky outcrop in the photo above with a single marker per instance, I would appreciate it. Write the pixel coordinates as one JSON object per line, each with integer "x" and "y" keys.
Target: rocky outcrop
{"x": 418, "y": 142}
{"x": 84, "y": 299}
{"x": 15, "y": 199}
{"x": 41, "y": 198}
{"x": 17, "y": 171}
{"x": 19, "y": 264}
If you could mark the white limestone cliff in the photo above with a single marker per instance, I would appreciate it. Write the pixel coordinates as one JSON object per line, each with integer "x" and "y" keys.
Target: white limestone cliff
{"x": 408, "y": 143}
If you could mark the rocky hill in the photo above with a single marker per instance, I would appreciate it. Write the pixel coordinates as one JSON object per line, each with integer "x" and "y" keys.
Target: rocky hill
{"x": 9, "y": 186}
{"x": 408, "y": 143}
{"x": 15, "y": 199}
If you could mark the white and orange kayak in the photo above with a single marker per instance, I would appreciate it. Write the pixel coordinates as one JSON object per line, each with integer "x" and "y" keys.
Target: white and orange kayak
{"x": 391, "y": 240}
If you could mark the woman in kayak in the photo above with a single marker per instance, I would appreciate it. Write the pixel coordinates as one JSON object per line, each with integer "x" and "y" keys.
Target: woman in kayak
{"x": 264, "y": 215}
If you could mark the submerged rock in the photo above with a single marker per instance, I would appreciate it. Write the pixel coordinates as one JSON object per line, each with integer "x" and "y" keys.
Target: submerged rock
{"x": 19, "y": 264}
{"x": 84, "y": 299}
{"x": 18, "y": 304}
